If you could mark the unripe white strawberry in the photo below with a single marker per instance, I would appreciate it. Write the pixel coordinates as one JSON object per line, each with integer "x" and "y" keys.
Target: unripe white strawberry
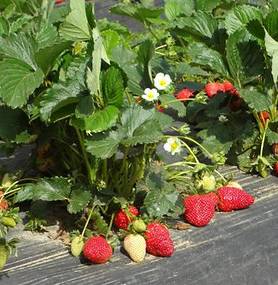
{"x": 135, "y": 246}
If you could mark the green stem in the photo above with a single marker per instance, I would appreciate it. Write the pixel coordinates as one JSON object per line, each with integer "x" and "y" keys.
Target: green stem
{"x": 85, "y": 156}
{"x": 87, "y": 222}
{"x": 216, "y": 171}
{"x": 199, "y": 145}
{"x": 191, "y": 152}
{"x": 110, "y": 225}
{"x": 263, "y": 139}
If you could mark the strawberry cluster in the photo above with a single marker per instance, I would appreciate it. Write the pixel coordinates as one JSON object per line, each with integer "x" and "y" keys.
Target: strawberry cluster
{"x": 212, "y": 88}
{"x": 200, "y": 209}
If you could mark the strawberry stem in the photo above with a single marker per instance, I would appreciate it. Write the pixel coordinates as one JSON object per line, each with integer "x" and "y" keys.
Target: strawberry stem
{"x": 87, "y": 222}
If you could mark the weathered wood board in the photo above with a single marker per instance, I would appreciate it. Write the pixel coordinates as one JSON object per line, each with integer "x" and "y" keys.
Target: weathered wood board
{"x": 236, "y": 248}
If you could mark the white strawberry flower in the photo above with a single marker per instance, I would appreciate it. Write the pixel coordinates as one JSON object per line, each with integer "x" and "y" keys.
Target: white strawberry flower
{"x": 172, "y": 145}
{"x": 162, "y": 81}
{"x": 150, "y": 94}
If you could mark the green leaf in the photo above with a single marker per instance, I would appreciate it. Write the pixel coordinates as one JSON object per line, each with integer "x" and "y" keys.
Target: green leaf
{"x": 169, "y": 101}
{"x": 12, "y": 122}
{"x": 47, "y": 56}
{"x": 138, "y": 12}
{"x": 240, "y": 16}
{"x": 201, "y": 24}
{"x": 46, "y": 189}
{"x": 271, "y": 136}
{"x": 149, "y": 132}
{"x": 18, "y": 47}
{"x": 99, "y": 54}
{"x": 4, "y": 26}
{"x": 76, "y": 26}
{"x": 271, "y": 24}
{"x": 99, "y": 121}
{"x": 207, "y": 5}
{"x": 272, "y": 50}
{"x": 134, "y": 117}
{"x": 175, "y": 8}
{"x": 59, "y": 96}
{"x": 207, "y": 57}
{"x": 79, "y": 199}
{"x": 104, "y": 146}
{"x": 99, "y": 223}
{"x": 256, "y": 100}
{"x": 111, "y": 39}
{"x": 126, "y": 59}
{"x": 244, "y": 55}
{"x": 113, "y": 87}
{"x": 46, "y": 36}
{"x": 217, "y": 138}
{"x": 162, "y": 196}
{"x": 18, "y": 81}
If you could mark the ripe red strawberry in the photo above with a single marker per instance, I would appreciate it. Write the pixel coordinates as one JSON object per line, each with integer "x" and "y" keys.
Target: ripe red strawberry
{"x": 230, "y": 88}
{"x": 184, "y": 94}
{"x": 235, "y": 103}
{"x": 231, "y": 198}
{"x": 59, "y": 1}
{"x": 97, "y": 250}
{"x": 213, "y": 88}
{"x": 275, "y": 168}
{"x": 200, "y": 209}
{"x": 158, "y": 240}
{"x": 124, "y": 217}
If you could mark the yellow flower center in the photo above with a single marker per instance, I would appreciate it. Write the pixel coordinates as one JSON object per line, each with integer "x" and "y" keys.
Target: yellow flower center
{"x": 150, "y": 95}
{"x": 174, "y": 146}
{"x": 163, "y": 82}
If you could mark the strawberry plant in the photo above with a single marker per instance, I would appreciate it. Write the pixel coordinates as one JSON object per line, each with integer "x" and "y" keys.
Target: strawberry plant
{"x": 230, "y": 47}
{"x": 96, "y": 100}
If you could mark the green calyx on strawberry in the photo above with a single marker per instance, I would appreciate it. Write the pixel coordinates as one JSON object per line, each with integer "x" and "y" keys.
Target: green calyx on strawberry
{"x": 97, "y": 250}
{"x": 139, "y": 226}
{"x": 207, "y": 183}
{"x": 232, "y": 198}
{"x": 125, "y": 216}
{"x": 200, "y": 209}
{"x": 158, "y": 240}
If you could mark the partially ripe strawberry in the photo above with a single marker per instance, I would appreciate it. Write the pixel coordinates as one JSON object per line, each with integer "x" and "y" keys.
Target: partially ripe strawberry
{"x": 264, "y": 116}
{"x": 97, "y": 250}
{"x": 231, "y": 198}
{"x": 124, "y": 217}
{"x": 158, "y": 240}
{"x": 275, "y": 168}
{"x": 213, "y": 88}
{"x": 184, "y": 94}
{"x": 275, "y": 149}
{"x": 200, "y": 209}
{"x": 4, "y": 203}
